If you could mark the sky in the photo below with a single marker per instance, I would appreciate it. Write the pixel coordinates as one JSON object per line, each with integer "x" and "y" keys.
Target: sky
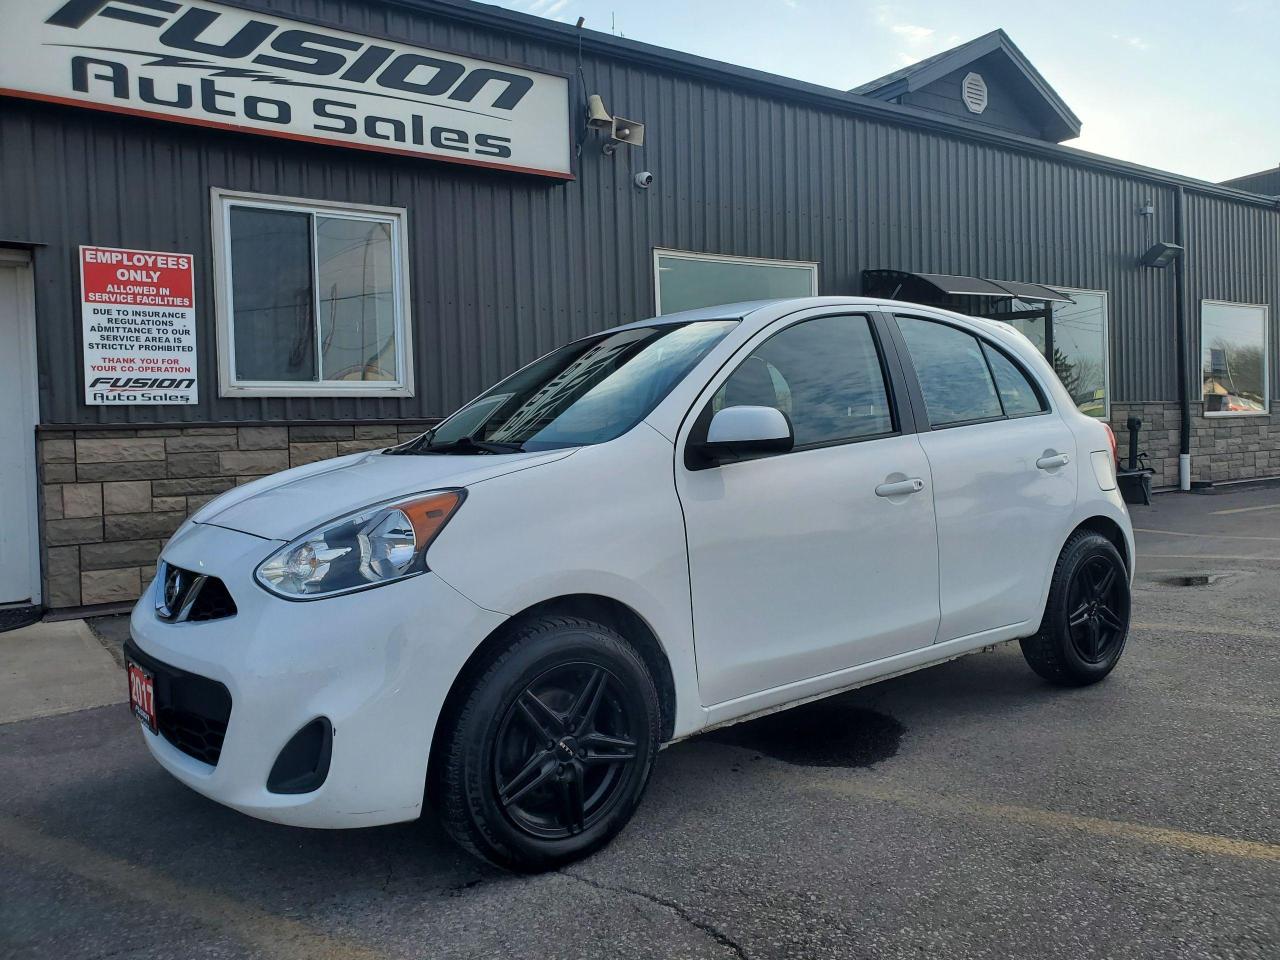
{"x": 1188, "y": 87}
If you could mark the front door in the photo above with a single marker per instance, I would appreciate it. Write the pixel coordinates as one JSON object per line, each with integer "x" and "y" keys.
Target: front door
{"x": 807, "y": 563}
{"x": 19, "y": 570}
{"x": 1004, "y": 472}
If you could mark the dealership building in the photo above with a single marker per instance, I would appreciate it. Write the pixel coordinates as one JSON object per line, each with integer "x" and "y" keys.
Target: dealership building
{"x": 242, "y": 235}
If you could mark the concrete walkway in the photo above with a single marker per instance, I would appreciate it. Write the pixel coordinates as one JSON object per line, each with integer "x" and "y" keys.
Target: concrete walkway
{"x": 48, "y": 669}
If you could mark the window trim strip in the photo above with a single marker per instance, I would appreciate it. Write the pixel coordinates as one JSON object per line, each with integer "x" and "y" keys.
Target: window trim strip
{"x": 221, "y": 202}
{"x": 1266, "y": 360}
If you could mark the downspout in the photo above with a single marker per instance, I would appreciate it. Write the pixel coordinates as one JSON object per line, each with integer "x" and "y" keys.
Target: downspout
{"x": 1181, "y": 329}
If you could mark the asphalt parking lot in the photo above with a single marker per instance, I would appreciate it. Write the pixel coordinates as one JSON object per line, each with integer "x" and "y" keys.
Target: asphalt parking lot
{"x": 964, "y": 811}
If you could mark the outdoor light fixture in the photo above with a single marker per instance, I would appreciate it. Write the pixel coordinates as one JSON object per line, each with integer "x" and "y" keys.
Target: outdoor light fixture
{"x": 1161, "y": 255}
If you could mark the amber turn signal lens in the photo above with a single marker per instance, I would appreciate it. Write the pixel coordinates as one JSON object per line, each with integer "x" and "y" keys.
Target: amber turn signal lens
{"x": 430, "y": 514}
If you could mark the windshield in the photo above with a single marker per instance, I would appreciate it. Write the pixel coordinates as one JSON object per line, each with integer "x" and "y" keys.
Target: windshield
{"x": 588, "y": 392}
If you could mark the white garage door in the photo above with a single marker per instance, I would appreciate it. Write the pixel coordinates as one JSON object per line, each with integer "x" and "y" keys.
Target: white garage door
{"x": 19, "y": 543}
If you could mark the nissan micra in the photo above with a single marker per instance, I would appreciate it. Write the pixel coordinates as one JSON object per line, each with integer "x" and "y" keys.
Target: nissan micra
{"x": 669, "y": 526}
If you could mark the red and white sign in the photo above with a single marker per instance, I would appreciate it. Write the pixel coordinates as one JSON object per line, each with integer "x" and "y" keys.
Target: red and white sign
{"x": 142, "y": 695}
{"x": 139, "y": 314}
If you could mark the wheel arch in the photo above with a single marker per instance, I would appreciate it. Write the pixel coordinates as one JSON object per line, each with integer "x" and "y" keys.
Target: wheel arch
{"x": 604, "y": 610}
{"x": 1109, "y": 529}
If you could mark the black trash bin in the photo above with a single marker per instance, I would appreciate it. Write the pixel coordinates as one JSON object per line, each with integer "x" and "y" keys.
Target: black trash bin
{"x": 1134, "y": 479}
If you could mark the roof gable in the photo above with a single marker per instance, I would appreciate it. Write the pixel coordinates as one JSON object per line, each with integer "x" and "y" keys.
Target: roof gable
{"x": 1018, "y": 97}
{"x": 1267, "y": 182}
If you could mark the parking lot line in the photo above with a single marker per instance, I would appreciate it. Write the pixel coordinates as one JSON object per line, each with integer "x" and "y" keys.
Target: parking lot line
{"x": 1204, "y": 843}
{"x": 1204, "y": 536}
{"x": 1205, "y": 630}
{"x": 1265, "y": 506}
{"x": 269, "y": 935}
{"x": 1239, "y": 558}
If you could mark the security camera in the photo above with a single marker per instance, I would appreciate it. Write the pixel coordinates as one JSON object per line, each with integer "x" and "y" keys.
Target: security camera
{"x": 644, "y": 179}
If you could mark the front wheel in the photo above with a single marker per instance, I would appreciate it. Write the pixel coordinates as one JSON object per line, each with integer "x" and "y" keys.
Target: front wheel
{"x": 550, "y": 747}
{"x": 1086, "y": 621}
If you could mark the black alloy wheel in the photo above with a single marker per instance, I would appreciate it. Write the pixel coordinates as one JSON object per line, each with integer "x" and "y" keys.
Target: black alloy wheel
{"x": 546, "y": 745}
{"x": 564, "y": 751}
{"x": 1094, "y": 624}
{"x": 1086, "y": 620}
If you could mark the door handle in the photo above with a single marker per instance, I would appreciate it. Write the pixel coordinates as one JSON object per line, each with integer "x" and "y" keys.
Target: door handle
{"x": 1057, "y": 460}
{"x": 900, "y": 488}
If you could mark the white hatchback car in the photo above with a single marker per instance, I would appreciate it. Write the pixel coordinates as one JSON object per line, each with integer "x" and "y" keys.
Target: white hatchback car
{"x": 664, "y": 527}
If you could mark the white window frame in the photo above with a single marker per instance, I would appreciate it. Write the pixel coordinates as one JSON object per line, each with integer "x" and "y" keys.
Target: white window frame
{"x": 659, "y": 252}
{"x": 1106, "y": 341}
{"x": 1266, "y": 360}
{"x": 222, "y": 202}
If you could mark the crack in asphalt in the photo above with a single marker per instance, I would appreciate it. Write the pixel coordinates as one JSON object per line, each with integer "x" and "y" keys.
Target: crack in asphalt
{"x": 701, "y": 925}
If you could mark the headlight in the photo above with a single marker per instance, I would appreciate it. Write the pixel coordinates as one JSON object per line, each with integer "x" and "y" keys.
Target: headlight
{"x": 379, "y": 544}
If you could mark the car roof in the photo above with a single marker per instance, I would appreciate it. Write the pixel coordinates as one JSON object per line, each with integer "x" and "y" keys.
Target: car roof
{"x": 756, "y": 314}
{"x": 770, "y": 310}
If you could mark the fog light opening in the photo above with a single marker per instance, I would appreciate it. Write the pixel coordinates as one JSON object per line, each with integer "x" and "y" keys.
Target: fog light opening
{"x": 303, "y": 764}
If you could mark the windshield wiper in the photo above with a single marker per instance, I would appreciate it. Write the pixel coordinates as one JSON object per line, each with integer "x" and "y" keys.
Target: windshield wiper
{"x": 471, "y": 445}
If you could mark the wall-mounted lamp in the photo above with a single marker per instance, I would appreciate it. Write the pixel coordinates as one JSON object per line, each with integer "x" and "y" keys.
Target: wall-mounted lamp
{"x": 1161, "y": 255}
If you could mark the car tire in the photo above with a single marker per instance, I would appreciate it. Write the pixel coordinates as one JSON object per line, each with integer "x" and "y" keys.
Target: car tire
{"x": 547, "y": 749}
{"x": 1086, "y": 619}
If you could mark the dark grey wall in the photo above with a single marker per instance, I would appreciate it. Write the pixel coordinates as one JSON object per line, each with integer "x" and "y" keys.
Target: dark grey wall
{"x": 505, "y": 267}
{"x": 1004, "y": 109}
{"x": 1233, "y": 253}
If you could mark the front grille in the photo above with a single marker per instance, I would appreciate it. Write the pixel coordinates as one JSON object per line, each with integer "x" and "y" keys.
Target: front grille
{"x": 186, "y": 596}
{"x": 192, "y": 711}
{"x": 213, "y": 602}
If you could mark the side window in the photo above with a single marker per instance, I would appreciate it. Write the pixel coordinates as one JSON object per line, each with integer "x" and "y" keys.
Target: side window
{"x": 825, "y": 374}
{"x": 1017, "y": 394}
{"x": 952, "y": 371}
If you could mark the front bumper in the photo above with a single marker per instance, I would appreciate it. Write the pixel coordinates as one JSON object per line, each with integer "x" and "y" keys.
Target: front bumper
{"x": 377, "y": 664}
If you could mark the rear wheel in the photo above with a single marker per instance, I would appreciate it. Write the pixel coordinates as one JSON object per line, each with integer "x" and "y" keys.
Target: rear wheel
{"x": 1086, "y": 621}
{"x": 550, "y": 749}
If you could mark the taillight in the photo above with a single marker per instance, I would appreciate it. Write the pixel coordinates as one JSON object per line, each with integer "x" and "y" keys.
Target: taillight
{"x": 1111, "y": 438}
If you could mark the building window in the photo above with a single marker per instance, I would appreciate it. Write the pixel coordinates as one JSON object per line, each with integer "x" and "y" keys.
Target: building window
{"x": 1233, "y": 358}
{"x": 1081, "y": 356}
{"x": 685, "y": 281}
{"x": 312, "y": 298}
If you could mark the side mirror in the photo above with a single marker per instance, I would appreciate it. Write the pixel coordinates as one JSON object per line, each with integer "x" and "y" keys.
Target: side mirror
{"x": 741, "y": 431}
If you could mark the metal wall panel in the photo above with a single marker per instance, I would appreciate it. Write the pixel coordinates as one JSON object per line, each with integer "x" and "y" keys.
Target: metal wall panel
{"x": 1233, "y": 253}
{"x": 505, "y": 267}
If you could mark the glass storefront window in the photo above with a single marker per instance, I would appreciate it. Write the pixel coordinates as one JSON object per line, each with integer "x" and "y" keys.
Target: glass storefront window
{"x": 1233, "y": 358}
{"x": 1080, "y": 351}
{"x": 685, "y": 281}
{"x": 312, "y": 299}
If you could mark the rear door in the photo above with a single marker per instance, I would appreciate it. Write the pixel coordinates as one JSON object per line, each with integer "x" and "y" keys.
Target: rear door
{"x": 1003, "y": 469}
{"x": 806, "y": 563}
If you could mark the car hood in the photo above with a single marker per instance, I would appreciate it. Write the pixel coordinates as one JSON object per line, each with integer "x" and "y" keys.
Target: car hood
{"x": 286, "y": 505}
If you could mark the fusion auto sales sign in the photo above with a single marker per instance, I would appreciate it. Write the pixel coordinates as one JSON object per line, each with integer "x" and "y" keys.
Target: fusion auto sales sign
{"x": 204, "y": 63}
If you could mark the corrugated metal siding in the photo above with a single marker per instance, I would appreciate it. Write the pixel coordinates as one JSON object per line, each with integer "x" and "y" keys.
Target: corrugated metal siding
{"x": 506, "y": 267}
{"x": 1233, "y": 253}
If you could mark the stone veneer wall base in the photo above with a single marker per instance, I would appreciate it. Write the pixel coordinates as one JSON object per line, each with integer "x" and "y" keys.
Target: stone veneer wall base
{"x": 110, "y": 498}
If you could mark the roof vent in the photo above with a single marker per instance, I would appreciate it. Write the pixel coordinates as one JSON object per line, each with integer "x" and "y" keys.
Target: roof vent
{"x": 973, "y": 90}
